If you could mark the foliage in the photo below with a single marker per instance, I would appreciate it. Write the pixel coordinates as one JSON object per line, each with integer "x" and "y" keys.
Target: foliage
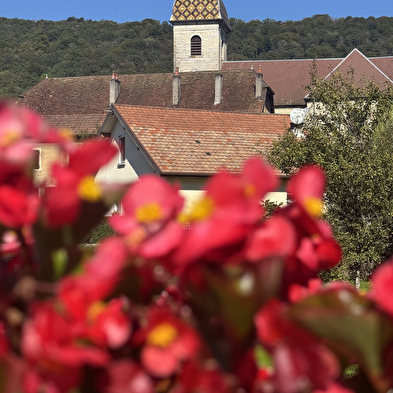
{"x": 30, "y": 50}
{"x": 76, "y": 47}
{"x": 348, "y": 132}
{"x": 102, "y": 231}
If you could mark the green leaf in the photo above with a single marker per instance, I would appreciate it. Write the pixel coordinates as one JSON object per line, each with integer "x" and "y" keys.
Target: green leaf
{"x": 60, "y": 260}
{"x": 263, "y": 357}
{"x": 350, "y": 323}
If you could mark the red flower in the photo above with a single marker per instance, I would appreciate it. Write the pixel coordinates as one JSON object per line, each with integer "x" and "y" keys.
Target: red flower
{"x": 334, "y": 388}
{"x": 382, "y": 286}
{"x": 148, "y": 224}
{"x": 167, "y": 342}
{"x": 306, "y": 188}
{"x": 96, "y": 281}
{"x": 75, "y": 182}
{"x": 301, "y": 362}
{"x": 315, "y": 248}
{"x": 50, "y": 340}
{"x": 19, "y": 201}
{"x": 224, "y": 216}
{"x": 4, "y": 345}
{"x": 195, "y": 377}
{"x": 125, "y": 376}
{"x": 276, "y": 237}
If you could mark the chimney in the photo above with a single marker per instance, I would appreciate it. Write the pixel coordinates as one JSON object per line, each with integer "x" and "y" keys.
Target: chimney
{"x": 258, "y": 83}
{"x": 218, "y": 89}
{"x": 114, "y": 88}
{"x": 176, "y": 87}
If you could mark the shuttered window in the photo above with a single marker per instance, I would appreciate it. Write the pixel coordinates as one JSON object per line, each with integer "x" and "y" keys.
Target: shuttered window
{"x": 196, "y": 46}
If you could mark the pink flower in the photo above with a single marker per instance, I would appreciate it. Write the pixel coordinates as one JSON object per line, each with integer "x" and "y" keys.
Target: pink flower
{"x": 148, "y": 223}
{"x": 223, "y": 217}
{"x": 51, "y": 341}
{"x": 276, "y": 237}
{"x": 382, "y": 286}
{"x": 301, "y": 362}
{"x": 75, "y": 182}
{"x": 167, "y": 342}
{"x": 20, "y": 130}
{"x": 19, "y": 201}
{"x": 125, "y": 376}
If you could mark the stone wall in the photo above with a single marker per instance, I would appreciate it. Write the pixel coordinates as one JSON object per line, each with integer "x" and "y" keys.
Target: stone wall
{"x": 213, "y": 47}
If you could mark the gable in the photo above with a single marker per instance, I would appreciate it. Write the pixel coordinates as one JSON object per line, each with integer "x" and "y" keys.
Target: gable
{"x": 289, "y": 78}
{"x": 363, "y": 70}
{"x": 200, "y": 143}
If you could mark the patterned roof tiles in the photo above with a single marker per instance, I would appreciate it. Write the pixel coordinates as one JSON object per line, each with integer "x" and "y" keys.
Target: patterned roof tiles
{"x": 191, "y": 10}
{"x": 200, "y": 142}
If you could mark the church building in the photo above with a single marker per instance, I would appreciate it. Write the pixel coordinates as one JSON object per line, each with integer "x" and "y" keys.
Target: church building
{"x": 208, "y": 114}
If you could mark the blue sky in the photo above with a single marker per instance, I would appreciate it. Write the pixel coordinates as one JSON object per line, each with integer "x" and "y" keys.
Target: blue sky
{"x": 132, "y": 10}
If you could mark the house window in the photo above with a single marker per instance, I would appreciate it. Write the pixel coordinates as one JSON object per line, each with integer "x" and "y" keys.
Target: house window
{"x": 196, "y": 46}
{"x": 37, "y": 159}
{"x": 122, "y": 149}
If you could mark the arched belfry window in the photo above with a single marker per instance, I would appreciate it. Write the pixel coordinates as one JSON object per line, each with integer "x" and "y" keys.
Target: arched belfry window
{"x": 196, "y": 46}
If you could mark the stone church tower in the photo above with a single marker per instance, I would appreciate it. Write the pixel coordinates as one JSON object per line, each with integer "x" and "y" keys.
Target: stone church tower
{"x": 200, "y": 29}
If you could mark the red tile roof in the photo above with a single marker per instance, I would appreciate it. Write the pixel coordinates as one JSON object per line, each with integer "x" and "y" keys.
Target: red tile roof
{"x": 289, "y": 78}
{"x": 363, "y": 68}
{"x": 200, "y": 142}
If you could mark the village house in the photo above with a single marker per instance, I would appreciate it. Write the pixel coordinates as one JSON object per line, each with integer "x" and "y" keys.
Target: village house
{"x": 208, "y": 114}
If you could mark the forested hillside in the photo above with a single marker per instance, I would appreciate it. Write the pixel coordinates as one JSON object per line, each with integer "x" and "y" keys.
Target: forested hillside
{"x": 31, "y": 49}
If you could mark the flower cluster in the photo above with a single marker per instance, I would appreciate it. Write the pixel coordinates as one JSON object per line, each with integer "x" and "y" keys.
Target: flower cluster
{"x": 209, "y": 298}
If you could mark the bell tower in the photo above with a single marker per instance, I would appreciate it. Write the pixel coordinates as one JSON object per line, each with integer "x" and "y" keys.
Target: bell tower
{"x": 200, "y": 30}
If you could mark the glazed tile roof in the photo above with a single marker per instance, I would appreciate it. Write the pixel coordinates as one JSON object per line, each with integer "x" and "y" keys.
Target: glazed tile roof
{"x": 193, "y": 142}
{"x": 191, "y": 10}
{"x": 289, "y": 78}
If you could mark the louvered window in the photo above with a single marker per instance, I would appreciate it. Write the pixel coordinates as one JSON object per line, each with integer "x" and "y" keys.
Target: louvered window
{"x": 196, "y": 46}
{"x": 122, "y": 149}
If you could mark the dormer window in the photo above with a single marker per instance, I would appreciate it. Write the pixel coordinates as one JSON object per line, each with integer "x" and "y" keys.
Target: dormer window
{"x": 196, "y": 46}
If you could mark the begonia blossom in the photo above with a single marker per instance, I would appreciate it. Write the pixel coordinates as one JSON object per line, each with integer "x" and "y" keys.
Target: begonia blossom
{"x": 165, "y": 337}
{"x": 148, "y": 223}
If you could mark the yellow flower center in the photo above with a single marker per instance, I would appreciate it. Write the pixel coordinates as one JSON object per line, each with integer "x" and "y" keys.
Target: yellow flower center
{"x": 162, "y": 335}
{"x": 95, "y": 310}
{"x": 200, "y": 210}
{"x": 89, "y": 190}
{"x": 9, "y": 137}
{"x": 314, "y": 207}
{"x": 148, "y": 213}
{"x": 249, "y": 190}
{"x": 67, "y": 134}
{"x": 135, "y": 238}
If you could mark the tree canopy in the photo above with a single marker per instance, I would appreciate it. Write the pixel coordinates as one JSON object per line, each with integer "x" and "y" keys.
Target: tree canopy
{"x": 348, "y": 132}
{"x": 78, "y": 47}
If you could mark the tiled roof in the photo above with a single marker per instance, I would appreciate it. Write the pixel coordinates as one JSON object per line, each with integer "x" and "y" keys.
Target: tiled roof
{"x": 191, "y": 10}
{"x": 289, "y": 78}
{"x": 78, "y": 123}
{"x": 200, "y": 142}
{"x": 68, "y": 96}
{"x": 90, "y": 94}
{"x": 363, "y": 69}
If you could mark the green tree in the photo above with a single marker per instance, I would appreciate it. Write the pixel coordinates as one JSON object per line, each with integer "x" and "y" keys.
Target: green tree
{"x": 348, "y": 132}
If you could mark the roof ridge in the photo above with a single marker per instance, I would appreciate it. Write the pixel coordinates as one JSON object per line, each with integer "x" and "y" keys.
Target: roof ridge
{"x": 201, "y": 110}
{"x": 355, "y": 50}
